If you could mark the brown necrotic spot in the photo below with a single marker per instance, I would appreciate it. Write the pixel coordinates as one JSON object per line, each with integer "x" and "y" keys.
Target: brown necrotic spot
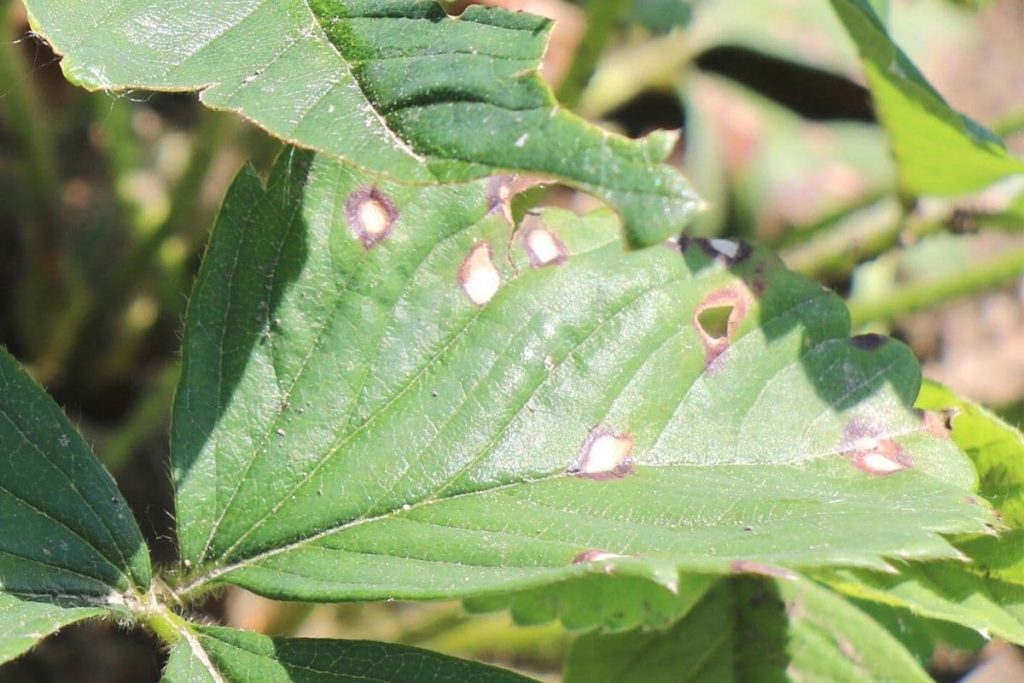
{"x": 873, "y": 454}
{"x": 544, "y": 248}
{"x": 717, "y": 317}
{"x": 371, "y": 216}
{"x": 868, "y": 342}
{"x": 939, "y": 422}
{"x": 606, "y": 454}
{"x": 499, "y": 195}
{"x": 478, "y": 275}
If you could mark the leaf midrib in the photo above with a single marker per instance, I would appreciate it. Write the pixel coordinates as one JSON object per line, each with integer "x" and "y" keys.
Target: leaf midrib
{"x": 218, "y": 570}
{"x": 291, "y": 222}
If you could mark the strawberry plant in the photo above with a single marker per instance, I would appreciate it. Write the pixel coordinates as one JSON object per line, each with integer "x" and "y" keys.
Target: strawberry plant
{"x": 402, "y": 378}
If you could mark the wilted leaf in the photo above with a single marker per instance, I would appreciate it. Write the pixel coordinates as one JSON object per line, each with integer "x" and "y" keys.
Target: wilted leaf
{"x": 393, "y": 86}
{"x": 69, "y": 546}
{"x": 224, "y": 655}
{"x": 396, "y": 396}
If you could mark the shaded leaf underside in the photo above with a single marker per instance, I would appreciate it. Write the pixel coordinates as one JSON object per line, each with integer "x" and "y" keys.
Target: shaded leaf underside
{"x": 356, "y": 421}
{"x": 752, "y": 630}
{"x": 393, "y": 86}
{"x": 947, "y": 591}
{"x": 24, "y": 622}
{"x": 222, "y": 655}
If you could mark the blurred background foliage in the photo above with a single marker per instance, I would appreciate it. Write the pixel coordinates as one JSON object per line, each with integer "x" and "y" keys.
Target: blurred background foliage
{"x": 107, "y": 200}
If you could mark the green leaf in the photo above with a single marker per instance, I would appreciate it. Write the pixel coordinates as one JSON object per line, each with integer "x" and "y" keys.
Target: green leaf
{"x": 996, "y": 448}
{"x": 986, "y": 595}
{"x": 941, "y": 590}
{"x": 924, "y": 638}
{"x": 24, "y": 622}
{"x": 661, "y": 16}
{"x": 393, "y": 86}
{"x": 602, "y": 601}
{"x": 385, "y": 395}
{"x": 939, "y": 151}
{"x": 69, "y": 547}
{"x": 786, "y": 630}
{"x": 223, "y": 655}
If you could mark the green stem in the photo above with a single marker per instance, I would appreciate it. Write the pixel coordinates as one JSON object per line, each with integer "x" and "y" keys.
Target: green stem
{"x": 922, "y": 295}
{"x": 657, "y": 64}
{"x": 602, "y": 16}
{"x": 161, "y": 619}
{"x": 24, "y": 115}
{"x": 834, "y": 252}
{"x": 42, "y": 286}
{"x": 138, "y": 265}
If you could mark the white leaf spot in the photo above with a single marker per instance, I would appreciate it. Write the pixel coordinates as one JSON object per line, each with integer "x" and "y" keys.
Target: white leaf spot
{"x": 726, "y": 248}
{"x": 478, "y": 275}
{"x": 877, "y": 456}
{"x": 606, "y": 455}
{"x": 371, "y": 216}
{"x": 878, "y": 463}
{"x": 544, "y": 248}
{"x": 595, "y": 556}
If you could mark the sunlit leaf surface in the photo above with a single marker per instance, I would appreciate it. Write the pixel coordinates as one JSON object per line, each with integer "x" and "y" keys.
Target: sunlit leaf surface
{"x": 388, "y": 393}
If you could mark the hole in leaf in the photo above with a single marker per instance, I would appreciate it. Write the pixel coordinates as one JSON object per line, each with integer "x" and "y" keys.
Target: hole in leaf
{"x": 868, "y": 342}
{"x": 718, "y": 316}
{"x": 714, "y": 320}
